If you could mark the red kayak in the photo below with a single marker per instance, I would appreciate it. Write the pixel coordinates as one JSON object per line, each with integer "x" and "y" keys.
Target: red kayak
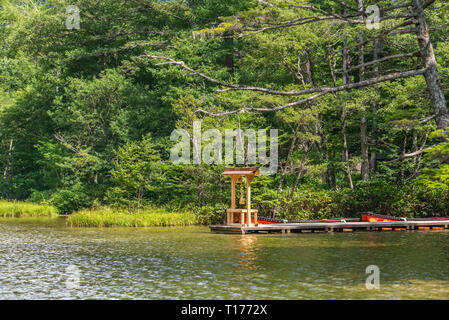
{"x": 373, "y": 217}
{"x": 265, "y": 220}
{"x": 365, "y": 217}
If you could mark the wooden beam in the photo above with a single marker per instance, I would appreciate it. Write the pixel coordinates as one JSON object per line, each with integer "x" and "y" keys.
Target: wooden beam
{"x": 233, "y": 181}
{"x": 230, "y": 215}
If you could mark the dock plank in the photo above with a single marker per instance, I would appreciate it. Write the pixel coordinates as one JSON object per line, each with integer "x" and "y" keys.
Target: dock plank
{"x": 330, "y": 226}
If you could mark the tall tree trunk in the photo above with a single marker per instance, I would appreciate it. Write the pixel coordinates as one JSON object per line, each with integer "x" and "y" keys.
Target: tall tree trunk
{"x": 322, "y": 146}
{"x": 373, "y": 157}
{"x": 343, "y": 115}
{"x": 287, "y": 161}
{"x": 431, "y": 75}
{"x": 298, "y": 176}
{"x": 364, "y": 146}
{"x": 309, "y": 68}
{"x": 345, "y": 157}
{"x": 285, "y": 167}
{"x": 404, "y": 151}
{"x": 363, "y": 123}
{"x": 419, "y": 158}
{"x": 346, "y": 80}
{"x": 8, "y": 160}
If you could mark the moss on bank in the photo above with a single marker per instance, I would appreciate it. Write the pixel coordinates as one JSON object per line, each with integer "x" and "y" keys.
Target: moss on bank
{"x": 108, "y": 217}
{"x": 26, "y": 209}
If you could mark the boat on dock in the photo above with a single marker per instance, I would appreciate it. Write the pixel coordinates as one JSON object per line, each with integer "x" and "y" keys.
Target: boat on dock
{"x": 368, "y": 221}
{"x": 246, "y": 220}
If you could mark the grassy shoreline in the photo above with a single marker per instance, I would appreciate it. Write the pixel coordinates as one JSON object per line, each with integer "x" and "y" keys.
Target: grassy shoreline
{"x": 148, "y": 217}
{"x": 12, "y": 209}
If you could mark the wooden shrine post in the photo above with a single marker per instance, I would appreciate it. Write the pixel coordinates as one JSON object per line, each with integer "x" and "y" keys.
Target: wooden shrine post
{"x": 243, "y": 214}
{"x": 233, "y": 181}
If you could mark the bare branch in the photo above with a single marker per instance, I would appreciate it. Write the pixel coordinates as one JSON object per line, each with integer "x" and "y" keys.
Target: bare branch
{"x": 345, "y": 18}
{"x": 404, "y": 5}
{"x": 397, "y": 56}
{"x": 412, "y": 154}
{"x": 184, "y": 66}
{"x": 306, "y": 20}
{"x": 68, "y": 145}
{"x": 325, "y": 90}
{"x": 291, "y": 23}
{"x": 322, "y": 93}
{"x": 243, "y": 110}
{"x": 427, "y": 118}
{"x": 383, "y": 34}
{"x": 350, "y": 86}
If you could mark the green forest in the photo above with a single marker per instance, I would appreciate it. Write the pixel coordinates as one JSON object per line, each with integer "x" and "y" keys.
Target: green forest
{"x": 87, "y": 106}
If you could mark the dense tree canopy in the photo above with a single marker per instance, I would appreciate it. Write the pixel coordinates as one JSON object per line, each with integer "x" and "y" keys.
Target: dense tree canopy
{"x": 86, "y": 114}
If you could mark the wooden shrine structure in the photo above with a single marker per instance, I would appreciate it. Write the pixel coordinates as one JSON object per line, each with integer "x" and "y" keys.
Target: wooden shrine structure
{"x": 245, "y": 217}
{"x": 244, "y": 220}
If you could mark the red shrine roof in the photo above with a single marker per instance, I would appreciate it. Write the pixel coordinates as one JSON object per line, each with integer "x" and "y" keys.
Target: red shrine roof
{"x": 241, "y": 171}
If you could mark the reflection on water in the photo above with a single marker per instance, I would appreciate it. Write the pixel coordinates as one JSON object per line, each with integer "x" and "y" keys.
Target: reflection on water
{"x": 193, "y": 263}
{"x": 248, "y": 253}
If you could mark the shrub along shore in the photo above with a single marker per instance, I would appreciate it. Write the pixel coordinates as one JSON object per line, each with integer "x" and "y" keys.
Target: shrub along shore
{"x": 101, "y": 217}
{"x": 26, "y": 209}
{"x": 148, "y": 217}
{"x": 116, "y": 217}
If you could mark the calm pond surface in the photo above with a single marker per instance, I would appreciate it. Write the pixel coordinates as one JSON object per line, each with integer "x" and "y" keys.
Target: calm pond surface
{"x": 40, "y": 258}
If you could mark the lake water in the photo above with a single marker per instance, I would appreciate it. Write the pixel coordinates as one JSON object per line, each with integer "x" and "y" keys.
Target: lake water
{"x": 41, "y": 258}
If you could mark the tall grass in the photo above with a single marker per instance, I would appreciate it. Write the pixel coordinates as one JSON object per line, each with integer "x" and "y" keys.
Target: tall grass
{"x": 26, "y": 209}
{"x": 107, "y": 217}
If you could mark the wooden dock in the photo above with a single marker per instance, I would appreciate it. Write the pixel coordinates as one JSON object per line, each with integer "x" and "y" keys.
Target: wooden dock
{"x": 286, "y": 228}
